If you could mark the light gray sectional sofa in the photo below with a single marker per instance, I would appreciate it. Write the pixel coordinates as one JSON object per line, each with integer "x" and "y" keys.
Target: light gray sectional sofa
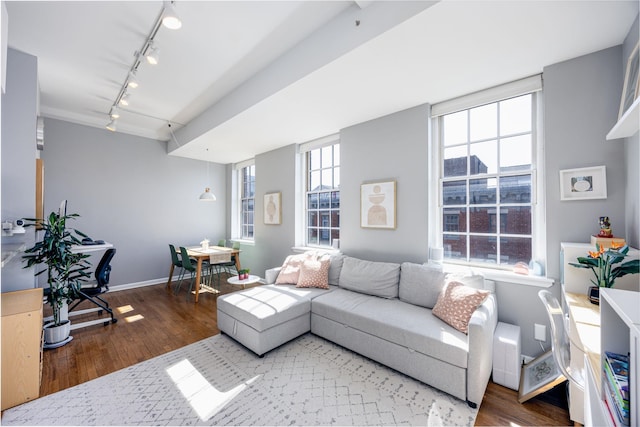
{"x": 380, "y": 310}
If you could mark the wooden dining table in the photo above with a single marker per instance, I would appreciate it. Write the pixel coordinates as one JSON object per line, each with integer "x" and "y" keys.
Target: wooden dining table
{"x": 199, "y": 254}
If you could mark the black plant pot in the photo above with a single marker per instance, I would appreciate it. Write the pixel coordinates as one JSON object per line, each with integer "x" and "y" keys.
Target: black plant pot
{"x": 594, "y": 295}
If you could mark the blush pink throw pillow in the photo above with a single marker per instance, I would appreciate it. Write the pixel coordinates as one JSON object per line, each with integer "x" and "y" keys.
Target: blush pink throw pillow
{"x": 456, "y": 304}
{"x": 290, "y": 270}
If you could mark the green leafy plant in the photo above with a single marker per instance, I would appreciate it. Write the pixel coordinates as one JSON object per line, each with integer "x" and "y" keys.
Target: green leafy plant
{"x": 65, "y": 269}
{"x": 602, "y": 262}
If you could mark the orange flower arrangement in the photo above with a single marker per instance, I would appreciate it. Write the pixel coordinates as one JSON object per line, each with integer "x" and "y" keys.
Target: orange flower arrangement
{"x": 601, "y": 263}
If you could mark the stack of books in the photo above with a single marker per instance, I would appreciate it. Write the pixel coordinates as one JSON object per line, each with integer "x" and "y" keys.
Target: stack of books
{"x": 616, "y": 386}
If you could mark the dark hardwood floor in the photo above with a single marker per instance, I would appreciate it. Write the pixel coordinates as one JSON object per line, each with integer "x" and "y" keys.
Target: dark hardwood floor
{"x": 153, "y": 321}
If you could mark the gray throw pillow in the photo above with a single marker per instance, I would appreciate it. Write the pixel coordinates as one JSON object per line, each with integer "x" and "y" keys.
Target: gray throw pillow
{"x": 420, "y": 284}
{"x": 370, "y": 277}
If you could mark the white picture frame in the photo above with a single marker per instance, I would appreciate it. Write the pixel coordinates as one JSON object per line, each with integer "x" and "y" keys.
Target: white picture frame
{"x": 378, "y": 205}
{"x": 273, "y": 208}
{"x": 538, "y": 376}
{"x": 631, "y": 88}
{"x": 583, "y": 183}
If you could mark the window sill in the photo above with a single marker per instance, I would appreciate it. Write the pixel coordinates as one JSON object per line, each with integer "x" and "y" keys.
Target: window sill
{"x": 303, "y": 249}
{"x": 503, "y": 276}
{"x": 244, "y": 242}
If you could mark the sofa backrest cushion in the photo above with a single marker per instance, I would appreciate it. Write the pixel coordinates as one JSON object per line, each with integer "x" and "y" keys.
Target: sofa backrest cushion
{"x": 475, "y": 281}
{"x": 420, "y": 284}
{"x": 370, "y": 277}
{"x": 335, "y": 268}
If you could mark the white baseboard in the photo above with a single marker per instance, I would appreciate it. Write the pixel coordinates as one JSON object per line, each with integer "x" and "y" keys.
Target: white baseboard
{"x": 134, "y": 285}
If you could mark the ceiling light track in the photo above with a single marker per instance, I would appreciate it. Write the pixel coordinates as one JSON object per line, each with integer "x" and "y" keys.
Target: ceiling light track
{"x": 150, "y": 51}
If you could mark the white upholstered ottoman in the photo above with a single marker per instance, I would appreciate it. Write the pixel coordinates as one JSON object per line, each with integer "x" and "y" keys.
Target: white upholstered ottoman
{"x": 265, "y": 317}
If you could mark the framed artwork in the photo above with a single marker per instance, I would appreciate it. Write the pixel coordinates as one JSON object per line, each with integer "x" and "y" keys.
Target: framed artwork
{"x": 272, "y": 208}
{"x": 631, "y": 88}
{"x": 538, "y": 376}
{"x": 583, "y": 183}
{"x": 378, "y": 205}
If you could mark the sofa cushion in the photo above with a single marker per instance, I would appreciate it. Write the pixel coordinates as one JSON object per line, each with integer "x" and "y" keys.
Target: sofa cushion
{"x": 395, "y": 321}
{"x": 370, "y": 277}
{"x": 420, "y": 284}
{"x": 263, "y": 307}
{"x": 337, "y": 259}
{"x": 314, "y": 273}
{"x": 457, "y": 303}
{"x": 290, "y": 270}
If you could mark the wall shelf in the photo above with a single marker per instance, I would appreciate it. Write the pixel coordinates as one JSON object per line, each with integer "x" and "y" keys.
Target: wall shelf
{"x": 628, "y": 123}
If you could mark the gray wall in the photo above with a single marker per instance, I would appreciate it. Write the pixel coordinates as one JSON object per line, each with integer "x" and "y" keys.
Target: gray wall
{"x": 128, "y": 191}
{"x": 19, "y": 114}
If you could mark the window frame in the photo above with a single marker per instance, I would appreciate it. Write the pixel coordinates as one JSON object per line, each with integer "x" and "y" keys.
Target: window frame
{"x": 532, "y": 85}
{"x": 237, "y": 220}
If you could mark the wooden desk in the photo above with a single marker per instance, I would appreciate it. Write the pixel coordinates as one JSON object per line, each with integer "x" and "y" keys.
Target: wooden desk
{"x": 584, "y": 336}
{"x": 199, "y": 255}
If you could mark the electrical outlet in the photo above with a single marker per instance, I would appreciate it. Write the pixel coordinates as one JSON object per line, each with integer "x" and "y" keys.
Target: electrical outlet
{"x": 540, "y": 332}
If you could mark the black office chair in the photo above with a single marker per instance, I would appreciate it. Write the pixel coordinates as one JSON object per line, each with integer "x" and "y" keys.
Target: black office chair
{"x": 92, "y": 291}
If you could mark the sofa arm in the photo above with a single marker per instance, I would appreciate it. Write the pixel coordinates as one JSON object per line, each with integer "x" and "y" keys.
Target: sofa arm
{"x": 271, "y": 275}
{"x": 480, "y": 360}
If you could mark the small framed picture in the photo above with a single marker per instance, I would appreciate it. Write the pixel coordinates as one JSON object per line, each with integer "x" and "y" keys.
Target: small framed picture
{"x": 538, "y": 376}
{"x": 583, "y": 183}
{"x": 272, "y": 209}
{"x": 378, "y": 205}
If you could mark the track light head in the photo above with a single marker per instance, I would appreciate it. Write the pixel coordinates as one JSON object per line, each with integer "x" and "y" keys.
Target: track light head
{"x": 153, "y": 56}
{"x": 125, "y": 99}
{"x": 132, "y": 80}
{"x": 170, "y": 18}
{"x": 112, "y": 125}
{"x": 114, "y": 113}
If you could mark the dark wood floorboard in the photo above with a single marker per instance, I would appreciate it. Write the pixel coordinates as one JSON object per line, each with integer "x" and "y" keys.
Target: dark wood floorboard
{"x": 153, "y": 321}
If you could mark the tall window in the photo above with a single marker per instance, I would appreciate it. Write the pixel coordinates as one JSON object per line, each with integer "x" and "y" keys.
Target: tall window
{"x": 247, "y": 201}
{"x": 323, "y": 195}
{"x": 487, "y": 157}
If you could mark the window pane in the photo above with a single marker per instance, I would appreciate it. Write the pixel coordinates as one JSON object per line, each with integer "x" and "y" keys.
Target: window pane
{"x": 325, "y": 237}
{"x": 314, "y": 181}
{"x": 327, "y": 179}
{"x": 312, "y": 237}
{"x": 515, "y": 220}
{"x": 314, "y": 159}
{"x": 335, "y": 219}
{"x": 454, "y": 192}
{"x": 455, "y": 128}
{"x": 515, "y": 189}
{"x": 483, "y": 122}
{"x": 482, "y": 191}
{"x": 515, "y": 115}
{"x": 515, "y": 153}
{"x": 482, "y": 220}
{"x": 455, "y": 220}
{"x": 336, "y": 177}
{"x": 483, "y": 249}
{"x": 313, "y": 219}
{"x": 455, "y": 246}
{"x": 336, "y": 155}
{"x": 327, "y": 156}
{"x": 455, "y": 161}
{"x": 484, "y": 157}
{"x": 325, "y": 200}
{"x": 325, "y": 219}
{"x": 515, "y": 249}
{"x": 335, "y": 200}
{"x": 312, "y": 201}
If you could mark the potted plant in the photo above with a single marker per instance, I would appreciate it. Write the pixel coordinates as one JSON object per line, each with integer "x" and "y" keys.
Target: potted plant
{"x": 243, "y": 274}
{"x": 65, "y": 269}
{"x": 602, "y": 262}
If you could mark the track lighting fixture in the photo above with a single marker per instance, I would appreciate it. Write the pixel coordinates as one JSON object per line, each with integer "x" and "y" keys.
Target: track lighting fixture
{"x": 167, "y": 18}
{"x": 153, "y": 56}
{"x": 112, "y": 125}
{"x": 132, "y": 80}
{"x": 170, "y": 18}
{"x": 124, "y": 100}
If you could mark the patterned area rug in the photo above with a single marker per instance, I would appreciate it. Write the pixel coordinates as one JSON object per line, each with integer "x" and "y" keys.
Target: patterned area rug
{"x": 216, "y": 381}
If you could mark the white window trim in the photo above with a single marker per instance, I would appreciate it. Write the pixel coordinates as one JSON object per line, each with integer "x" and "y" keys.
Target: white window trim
{"x": 517, "y": 88}
{"x": 236, "y": 202}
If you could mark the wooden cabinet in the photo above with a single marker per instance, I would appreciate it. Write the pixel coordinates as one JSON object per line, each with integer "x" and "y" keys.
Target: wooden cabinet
{"x": 21, "y": 346}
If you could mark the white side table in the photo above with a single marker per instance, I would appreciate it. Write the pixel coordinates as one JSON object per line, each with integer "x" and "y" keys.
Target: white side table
{"x": 244, "y": 282}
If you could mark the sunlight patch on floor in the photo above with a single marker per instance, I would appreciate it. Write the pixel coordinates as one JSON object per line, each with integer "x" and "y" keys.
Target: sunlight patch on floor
{"x": 134, "y": 318}
{"x": 204, "y": 398}
{"x": 124, "y": 309}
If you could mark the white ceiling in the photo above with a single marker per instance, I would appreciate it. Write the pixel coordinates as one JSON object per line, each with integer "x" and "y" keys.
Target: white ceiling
{"x": 241, "y": 78}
